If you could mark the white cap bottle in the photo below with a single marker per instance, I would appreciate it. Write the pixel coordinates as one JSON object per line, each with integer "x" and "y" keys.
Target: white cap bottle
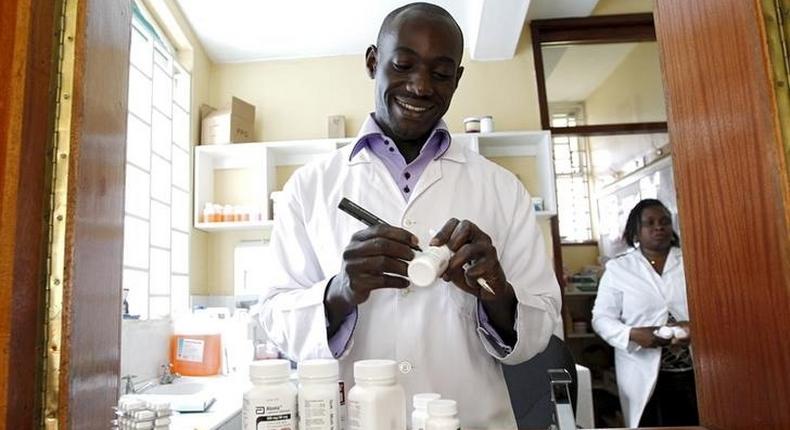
{"x": 420, "y": 414}
{"x": 376, "y": 401}
{"x": 428, "y": 265}
{"x": 319, "y": 395}
{"x": 443, "y": 415}
{"x": 271, "y": 402}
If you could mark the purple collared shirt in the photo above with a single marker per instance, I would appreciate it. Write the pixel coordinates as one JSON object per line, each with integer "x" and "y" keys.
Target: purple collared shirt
{"x": 406, "y": 176}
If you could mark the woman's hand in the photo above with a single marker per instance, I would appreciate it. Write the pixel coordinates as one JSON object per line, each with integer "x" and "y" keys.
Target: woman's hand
{"x": 644, "y": 337}
{"x": 682, "y": 341}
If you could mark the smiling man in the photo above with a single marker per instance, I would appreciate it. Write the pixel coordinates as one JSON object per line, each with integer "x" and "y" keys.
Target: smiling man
{"x": 341, "y": 290}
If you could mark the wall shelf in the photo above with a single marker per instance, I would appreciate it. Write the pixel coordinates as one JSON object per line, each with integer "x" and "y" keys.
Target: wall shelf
{"x": 235, "y": 226}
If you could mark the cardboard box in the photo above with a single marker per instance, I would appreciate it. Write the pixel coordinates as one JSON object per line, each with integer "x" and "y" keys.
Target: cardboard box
{"x": 232, "y": 124}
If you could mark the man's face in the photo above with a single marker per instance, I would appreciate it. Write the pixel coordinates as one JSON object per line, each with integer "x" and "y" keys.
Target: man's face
{"x": 417, "y": 68}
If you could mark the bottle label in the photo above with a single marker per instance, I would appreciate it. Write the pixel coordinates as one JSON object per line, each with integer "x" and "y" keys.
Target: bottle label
{"x": 317, "y": 414}
{"x": 355, "y": 419}
{"x": 190, "y": 350}
{"x": 269, "y": 414}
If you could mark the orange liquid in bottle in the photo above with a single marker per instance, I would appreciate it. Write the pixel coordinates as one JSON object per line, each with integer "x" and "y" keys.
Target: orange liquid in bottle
{"x": 195, "y": 355}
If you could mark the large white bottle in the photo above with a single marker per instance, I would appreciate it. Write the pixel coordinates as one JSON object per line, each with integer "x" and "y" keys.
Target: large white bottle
{"x": 271, "y": 403}
{"x": 319, "y": 395}
{"x": 376, "y": 402}
{"x": 443, "y": 415}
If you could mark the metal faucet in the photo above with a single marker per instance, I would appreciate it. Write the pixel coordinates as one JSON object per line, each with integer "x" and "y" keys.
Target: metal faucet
{"x": 130, "y": 388}
{"x": 560, "y": 381}
{"x": 168, "y": 376}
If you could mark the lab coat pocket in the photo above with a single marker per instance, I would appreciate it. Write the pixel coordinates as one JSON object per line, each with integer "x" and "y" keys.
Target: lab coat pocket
{"x": 461, "y": 302}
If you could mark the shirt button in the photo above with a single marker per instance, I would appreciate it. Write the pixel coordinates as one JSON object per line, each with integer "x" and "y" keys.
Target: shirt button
{"x": 407, "y": 175}
{"x": 405, "y": 367}
{"x": 406, "y": 189}
{"x": 409, "y": 223}
{"x": 405, "y": 292}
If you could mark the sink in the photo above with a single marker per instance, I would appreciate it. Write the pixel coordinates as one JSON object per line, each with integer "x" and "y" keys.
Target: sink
{"x": 183, "y": 396}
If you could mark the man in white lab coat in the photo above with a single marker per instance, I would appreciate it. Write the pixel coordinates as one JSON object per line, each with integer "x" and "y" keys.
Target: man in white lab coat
{"x": 340, "y": 288}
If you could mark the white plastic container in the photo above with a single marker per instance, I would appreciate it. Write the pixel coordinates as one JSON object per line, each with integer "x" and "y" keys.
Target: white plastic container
{"x": 271, "y": 403}
{"x": 420, "y": 414}
{"x": 377, "y": 401}
{"x": 428, "y": 265}
{"x": 487, "y": 124}
{"x": 472, "y": 124}
{"x": 443, "y": 415}
{"x": 319, "y": 395}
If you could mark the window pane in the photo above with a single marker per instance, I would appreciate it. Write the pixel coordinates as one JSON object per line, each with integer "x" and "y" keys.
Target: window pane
{"x": 160, "y": 307}
{"x": 137, "y": 191}
{"x": 135, "y": 243}
{"x": 181, "y": 88}
{"x": 179, "y": 295}
{"x": 180, "y": 168}
{"x": 136, "y": 281}
{"x": 160, "y": 224}
{"x": 180, "y": 210}
{"x": 138, "y": 143}
{"x": 140, "y": 51}
{"x": 180, "y": 252}
{"x": 161, "y": 136}
{"x": 160, "y": 271}
{"x": 181, "y": 128}
{"x": 139, "y": 94}
{"x": 163, "y": 96}
{"x": 160, "y": 179}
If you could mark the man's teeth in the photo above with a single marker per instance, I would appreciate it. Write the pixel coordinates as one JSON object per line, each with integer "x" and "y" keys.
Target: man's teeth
{"x": 411, "y": 107}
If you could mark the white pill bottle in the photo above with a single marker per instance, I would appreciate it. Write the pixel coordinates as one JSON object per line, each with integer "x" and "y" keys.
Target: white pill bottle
{"x": 377, "y": 401}
{"x": 271, "y": 403}
{"x": 319, "y": 395}
{"x": 420, "y": 414}
{"x": 428, "y": 265}
{"x": 443, "y": 415}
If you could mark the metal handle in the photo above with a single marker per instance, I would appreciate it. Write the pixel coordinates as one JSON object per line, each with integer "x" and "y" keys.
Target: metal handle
{"x": 560, "y": 381}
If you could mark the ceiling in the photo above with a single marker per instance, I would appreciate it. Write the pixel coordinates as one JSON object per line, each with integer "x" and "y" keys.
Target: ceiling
{"x": 234, "y": 31}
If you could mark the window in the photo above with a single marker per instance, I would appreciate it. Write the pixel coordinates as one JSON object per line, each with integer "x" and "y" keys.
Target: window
{"x": 157, "y": 218}
{"x": 572, "y": 172}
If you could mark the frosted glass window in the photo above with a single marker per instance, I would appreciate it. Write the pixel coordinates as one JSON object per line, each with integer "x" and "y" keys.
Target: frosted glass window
{"x": 179, "y": 293}
{"x": 181, "y": 87}
{"x": 180, "y": 252}
{"x": 138, "y": 143}
{"x": 137, "y": 191}
{"x": 160, "y": 224}
{"x": 163, "y": 96}
{"x": 135, "y": 243}
{"x": 180, "y": 168}
{"x": 136, "y": 282}
{"x": 180, "y": 211}
{"x": 181, "y": 128}
{"x": 140, "y": 51}
{"x": 160, "y": 307}
{"x": 160, "y": 179}
{"x": 160, "y": 272}
{"x": 161, "y": 134}
{"x": 139, "y": 94}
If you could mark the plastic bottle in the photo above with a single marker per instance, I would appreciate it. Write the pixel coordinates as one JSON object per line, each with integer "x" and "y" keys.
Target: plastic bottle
{"x": 376, "y": 401}
{"x": 195, "y": 347}
{"x": 420, "y": 414}
{"x": 271, "y": 403}
{"x": 443, "y": 415}
{"x": 428, "y": 265}
{"x": 319, "y": 396}
{"x": 208, "y": 212}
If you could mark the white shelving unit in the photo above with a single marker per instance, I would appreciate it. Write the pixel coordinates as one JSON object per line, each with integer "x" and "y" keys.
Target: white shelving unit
{"x": 262, "y": 159}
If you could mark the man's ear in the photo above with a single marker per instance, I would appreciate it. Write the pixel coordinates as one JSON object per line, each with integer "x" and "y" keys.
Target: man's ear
{"x": 458, "y": 74}
{"x": 371, "y": 60}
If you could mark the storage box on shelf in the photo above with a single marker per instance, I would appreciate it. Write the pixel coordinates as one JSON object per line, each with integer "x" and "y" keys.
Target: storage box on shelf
{"x": 528, "y": 154}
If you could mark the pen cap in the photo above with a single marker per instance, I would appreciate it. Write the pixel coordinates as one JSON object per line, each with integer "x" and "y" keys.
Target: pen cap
{"x": 429, "y": 265}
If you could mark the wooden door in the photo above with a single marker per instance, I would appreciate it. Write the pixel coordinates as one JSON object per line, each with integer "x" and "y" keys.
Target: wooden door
{"x": 732, "y": 180}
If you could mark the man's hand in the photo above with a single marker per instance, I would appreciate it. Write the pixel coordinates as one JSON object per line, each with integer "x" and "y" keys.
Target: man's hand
{"x": 473, "y": 248}
{"x": 685, "y": 341}
{"x": 644, "y": 337}
{"x": 370, "y": 260}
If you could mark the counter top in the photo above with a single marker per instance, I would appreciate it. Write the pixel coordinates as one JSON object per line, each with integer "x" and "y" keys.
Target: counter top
{"x": 228, "y": 392}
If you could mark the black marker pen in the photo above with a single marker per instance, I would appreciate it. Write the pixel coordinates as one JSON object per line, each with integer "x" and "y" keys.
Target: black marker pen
{"x": 362, "y": 215}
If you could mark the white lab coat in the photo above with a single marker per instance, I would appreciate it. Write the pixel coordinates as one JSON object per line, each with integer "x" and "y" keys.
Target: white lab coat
{"x": 431, "y": 332}
{"x": 632, "y": 294}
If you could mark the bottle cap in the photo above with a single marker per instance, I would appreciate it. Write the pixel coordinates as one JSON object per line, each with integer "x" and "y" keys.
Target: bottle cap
{"x": 442, "y": 408}
{"x": 421, "y": 272}
{"x": 374, "y": 370}
{"x": 421, "y": 400}
{"x": 270, "y": 369}
{"x": 320, "y": 368}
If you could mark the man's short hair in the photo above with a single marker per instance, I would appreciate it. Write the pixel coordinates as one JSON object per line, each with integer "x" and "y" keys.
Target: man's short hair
{"x": 427, "y": 8}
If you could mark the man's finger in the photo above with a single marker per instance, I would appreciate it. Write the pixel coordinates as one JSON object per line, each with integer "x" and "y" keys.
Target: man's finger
{"x": 443, "y": 235}
{"x": 386, "y": 231}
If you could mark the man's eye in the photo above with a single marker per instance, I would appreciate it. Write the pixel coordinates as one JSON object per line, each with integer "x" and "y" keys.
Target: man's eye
{"x": 442, "y": 76}
{"x": 401, "y": 67}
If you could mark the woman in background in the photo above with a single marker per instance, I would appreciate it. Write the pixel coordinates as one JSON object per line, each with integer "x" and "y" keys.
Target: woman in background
{"x": 641, "y": 291}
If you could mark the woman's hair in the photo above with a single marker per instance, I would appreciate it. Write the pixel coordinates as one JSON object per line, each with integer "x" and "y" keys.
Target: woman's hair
{"x": 635, "y": 221}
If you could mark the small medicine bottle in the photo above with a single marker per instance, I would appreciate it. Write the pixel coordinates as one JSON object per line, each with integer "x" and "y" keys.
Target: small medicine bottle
{"x": 420, "y": 414}
{"x": 208, "y": 212}
{"x": 443, "y": 415}
{"x": 319, "y": 395}
{"x": 377, "y": 401}
{"x": 271, "y": 403}
{"x": 428, "y": 265}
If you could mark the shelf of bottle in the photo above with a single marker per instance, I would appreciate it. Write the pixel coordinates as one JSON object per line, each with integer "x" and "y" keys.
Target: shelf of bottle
{"x": 235, "y": 226}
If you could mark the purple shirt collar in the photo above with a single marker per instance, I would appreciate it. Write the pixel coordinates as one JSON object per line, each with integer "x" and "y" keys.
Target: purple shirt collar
{"x": 405, "y": 175}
